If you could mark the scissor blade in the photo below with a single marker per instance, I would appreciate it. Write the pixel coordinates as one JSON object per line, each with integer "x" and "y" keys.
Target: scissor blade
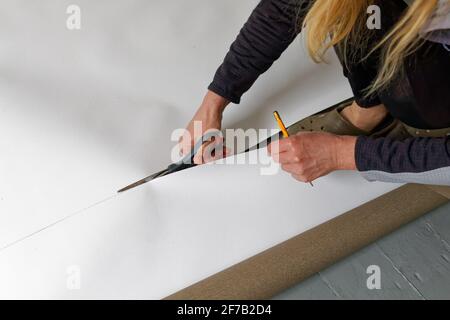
{"x": 145, "y": 180}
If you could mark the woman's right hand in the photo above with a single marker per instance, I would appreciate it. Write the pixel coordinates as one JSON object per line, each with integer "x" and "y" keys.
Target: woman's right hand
{"x": 207, "y": 117}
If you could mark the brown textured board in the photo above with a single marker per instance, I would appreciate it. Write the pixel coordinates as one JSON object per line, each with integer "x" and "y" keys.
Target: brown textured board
{"x": 443, "y": 190}
{"x": 276, "y": 269}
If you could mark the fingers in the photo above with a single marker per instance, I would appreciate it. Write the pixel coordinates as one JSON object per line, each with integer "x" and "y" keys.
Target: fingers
{"x": 290, "y": 144}
{"x": 287, "y": 144}
{"x": 301, "y": 178}
{"x": 198, "y": 158}
{"x": 298, "y": 172}
{"x": 219, "y": 152}
{"x": 186, "y": 146}
{"x": 292, "y": 168}
{"x": 186, "y": 142}
{"x": 285, "y": 157}
{"x": 189, "y": 139}
{"x": 278, "y": 146}
{"x": 273, "y": 150}
{"x": 212, "y": 151}
{"x": 288, "y": 158}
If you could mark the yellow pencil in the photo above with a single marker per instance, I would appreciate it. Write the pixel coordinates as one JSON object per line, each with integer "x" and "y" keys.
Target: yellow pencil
{"x": 281, "y": 124}
{"x": 283, "y": 129}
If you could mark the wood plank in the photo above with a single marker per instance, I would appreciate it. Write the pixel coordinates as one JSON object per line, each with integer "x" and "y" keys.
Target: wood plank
{"x": 420, "y": 254}
{"x": 349, "y": 277}
{"x": 439, "y": 220}
{"x": 347, "y": 280}
{"x": 313, "y": 288}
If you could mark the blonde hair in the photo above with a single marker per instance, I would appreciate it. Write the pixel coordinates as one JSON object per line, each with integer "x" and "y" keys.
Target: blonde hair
{"x": 343, "y": 23}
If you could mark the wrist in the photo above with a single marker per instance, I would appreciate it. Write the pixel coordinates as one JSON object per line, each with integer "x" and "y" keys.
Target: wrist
{"x": 214, "y": 103}
{"x": 345, "y": 153}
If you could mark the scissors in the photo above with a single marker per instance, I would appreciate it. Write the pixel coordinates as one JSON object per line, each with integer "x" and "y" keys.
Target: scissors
{"x": 185, "y": 163}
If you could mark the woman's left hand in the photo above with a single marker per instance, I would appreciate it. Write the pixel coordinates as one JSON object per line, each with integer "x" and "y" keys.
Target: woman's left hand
{"x": 308, "y": 156}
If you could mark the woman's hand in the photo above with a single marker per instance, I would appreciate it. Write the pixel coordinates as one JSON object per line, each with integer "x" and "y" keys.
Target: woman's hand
{"x": 207, "y": 117}
{"x": 308, "y": 156}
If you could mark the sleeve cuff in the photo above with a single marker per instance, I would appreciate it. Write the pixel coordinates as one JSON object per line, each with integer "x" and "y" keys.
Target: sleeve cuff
{"x": 361, "y": 153}
{"x": 223, "y": 93}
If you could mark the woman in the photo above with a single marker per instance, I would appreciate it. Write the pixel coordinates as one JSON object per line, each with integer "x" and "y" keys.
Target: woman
{"x": 397, "y": 127}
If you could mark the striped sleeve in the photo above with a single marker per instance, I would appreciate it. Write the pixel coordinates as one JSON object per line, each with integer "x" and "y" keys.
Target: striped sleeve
{"x": 415, "y": 160}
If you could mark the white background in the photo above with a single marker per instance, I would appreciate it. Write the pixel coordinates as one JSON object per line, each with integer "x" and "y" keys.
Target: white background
{"x": 84, "y": 113}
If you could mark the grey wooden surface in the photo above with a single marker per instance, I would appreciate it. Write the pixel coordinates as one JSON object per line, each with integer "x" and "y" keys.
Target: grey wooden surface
{"x": 414, "y": 262}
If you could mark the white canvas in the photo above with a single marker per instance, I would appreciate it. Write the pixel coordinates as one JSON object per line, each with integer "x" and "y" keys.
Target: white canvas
{"x": 174, "y": 231}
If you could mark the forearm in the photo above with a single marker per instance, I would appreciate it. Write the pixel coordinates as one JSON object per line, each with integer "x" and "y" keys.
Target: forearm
{"x": 415, "y": 160}
{"x": 214, "y": 103}
{"x": 345, "y": 147}
{"x": 272, "y": 26}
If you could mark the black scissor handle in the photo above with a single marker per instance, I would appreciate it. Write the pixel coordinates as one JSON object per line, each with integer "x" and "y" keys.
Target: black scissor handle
{"x": 188, "y": 161}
